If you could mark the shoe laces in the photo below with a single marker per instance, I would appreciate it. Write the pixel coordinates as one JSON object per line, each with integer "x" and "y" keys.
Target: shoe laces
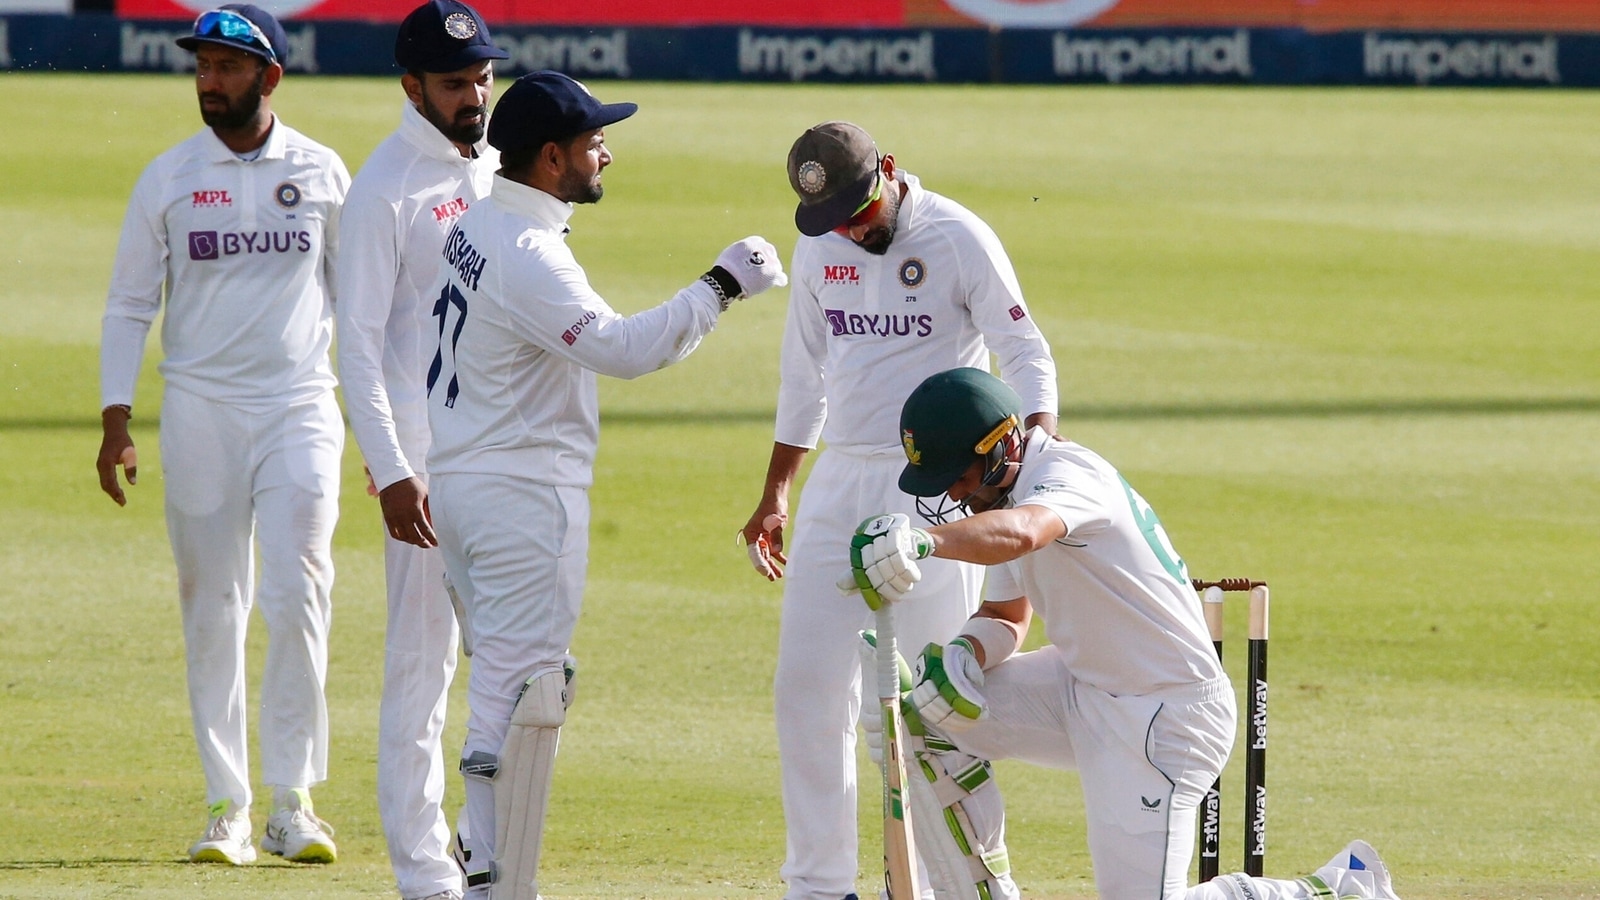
{"x": 222, "y": 827}
{"x": 308, "y": 820}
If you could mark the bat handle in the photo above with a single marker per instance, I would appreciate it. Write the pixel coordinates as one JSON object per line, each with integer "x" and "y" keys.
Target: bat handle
{"x": 888, "y": 667}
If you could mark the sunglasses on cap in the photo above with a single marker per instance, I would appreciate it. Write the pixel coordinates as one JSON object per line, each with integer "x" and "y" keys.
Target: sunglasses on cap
{"x": 228, "y": 25}
{"x": 867, "y": 210}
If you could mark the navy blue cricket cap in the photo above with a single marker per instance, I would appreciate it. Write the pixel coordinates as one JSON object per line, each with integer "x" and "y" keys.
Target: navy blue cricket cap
{"x": 546, "y": 106}
{"x": 444, "y": 36}
{"x": 242, "y": 25}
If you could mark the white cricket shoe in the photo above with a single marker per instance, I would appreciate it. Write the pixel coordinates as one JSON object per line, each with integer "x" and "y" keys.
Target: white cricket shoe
{"x": 227, "y": 837}
{"x": 1357, "y": 871}
{"x": 295, "y": 833}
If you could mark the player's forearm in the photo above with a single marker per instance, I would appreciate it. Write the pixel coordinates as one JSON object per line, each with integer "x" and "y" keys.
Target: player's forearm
{"x": 997, "y": 536}
{"x": 782, "y": 470}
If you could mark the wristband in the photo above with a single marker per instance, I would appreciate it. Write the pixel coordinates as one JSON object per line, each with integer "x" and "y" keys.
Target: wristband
{"x": 997, "y": 637}
{"x": 728, "y": 285}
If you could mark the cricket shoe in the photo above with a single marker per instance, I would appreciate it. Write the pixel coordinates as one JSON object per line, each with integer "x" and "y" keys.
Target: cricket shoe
{"x": 443, "y": 895}
{"x": 295, "y": 833}
{"x": 1356, "y": 871}
{"x": 227, "y": 837}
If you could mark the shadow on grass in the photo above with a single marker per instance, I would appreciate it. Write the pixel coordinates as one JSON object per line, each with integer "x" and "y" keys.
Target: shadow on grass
{"x": 21, "y": 865}
{"x": 1098, "y": 412}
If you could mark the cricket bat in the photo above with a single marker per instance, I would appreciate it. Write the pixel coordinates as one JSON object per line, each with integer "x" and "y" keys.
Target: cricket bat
{"x": 899, "y": 845}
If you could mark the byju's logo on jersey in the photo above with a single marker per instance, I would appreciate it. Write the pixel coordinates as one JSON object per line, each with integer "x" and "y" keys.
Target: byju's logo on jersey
{"x": 216, "y": 244}
{"x": 203, "y": 245}
{"x": 840, "y": 275}
{"x": 1018, "y": 313}
{"x": 211, "y": 199}
{"x": 891, "y": 325}
{"x": 571, "y": 334}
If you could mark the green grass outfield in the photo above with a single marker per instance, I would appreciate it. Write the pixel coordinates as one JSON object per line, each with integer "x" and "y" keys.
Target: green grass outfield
{"x": 1345, "y": 340}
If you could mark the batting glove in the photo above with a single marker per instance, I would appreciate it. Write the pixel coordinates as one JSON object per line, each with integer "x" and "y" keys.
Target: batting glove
{"x": 883, "y": 558}
{"x": 948, "y": 678}
{"x": 754, "y": 263}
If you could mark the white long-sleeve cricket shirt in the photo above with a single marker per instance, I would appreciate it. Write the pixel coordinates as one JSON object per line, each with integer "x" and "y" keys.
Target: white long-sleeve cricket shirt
{"x": 403, "y": 202}
{"x": 864, "y": 330}
{"x": 243, "y": 254}
{"x": 512, "y": 389}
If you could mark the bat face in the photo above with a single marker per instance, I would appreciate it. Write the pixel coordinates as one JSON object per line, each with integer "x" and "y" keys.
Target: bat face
{"x": 898, "y": 842}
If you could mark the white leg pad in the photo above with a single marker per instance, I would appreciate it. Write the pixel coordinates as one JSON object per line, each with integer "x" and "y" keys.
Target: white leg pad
{"x": 522, "y": 785}
{"x": 960, "y": 818}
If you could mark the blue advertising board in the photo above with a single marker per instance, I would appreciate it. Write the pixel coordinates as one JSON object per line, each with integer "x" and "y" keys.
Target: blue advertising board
{"x": 1274, "y": 56}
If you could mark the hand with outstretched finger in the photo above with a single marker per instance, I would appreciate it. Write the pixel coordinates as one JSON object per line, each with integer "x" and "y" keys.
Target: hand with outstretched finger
{"x": 762, "y": 537}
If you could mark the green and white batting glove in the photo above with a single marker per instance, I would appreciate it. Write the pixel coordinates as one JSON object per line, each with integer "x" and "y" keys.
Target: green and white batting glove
{"x": 883, "y": 558}
{"x": 947, "y": 694}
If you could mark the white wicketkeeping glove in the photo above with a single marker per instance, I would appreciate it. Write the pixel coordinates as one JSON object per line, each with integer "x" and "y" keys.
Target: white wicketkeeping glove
{"x": 883, "y": 558}
{"x": 947, "y": 694}
{"x": 754, "y": 263}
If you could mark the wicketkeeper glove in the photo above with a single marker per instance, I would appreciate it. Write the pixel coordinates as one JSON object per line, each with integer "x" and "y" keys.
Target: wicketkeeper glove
{"x": 883, "y": 558}
{"x": 754, "y": 264}
{"x": 947, "y": 694}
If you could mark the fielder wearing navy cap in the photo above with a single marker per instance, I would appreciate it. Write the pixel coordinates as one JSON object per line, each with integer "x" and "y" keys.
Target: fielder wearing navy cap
{"x": 241, "y": 25}
{"x": 443, "y": 36}
{"x": 546, "y": 106}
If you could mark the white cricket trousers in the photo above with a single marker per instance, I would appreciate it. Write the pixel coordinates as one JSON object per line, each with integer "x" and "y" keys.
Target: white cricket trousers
{"x": 517, "y": 552}
{"x": 1145, "y": 764}
{"x": 818, "y": 686}
{"x": 419, "y": 662}
{"x": 273, "y": 473}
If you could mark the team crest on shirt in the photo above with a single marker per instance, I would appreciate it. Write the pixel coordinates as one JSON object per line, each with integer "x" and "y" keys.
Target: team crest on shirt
{"x": 912, "y": 453}
{"x": 287, "y": 195}
{"x": 913, "y": 272}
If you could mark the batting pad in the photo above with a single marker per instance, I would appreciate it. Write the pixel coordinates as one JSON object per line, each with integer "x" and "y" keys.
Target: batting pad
{"x": 522, "y": 786}
{"x": 960, "y": 818}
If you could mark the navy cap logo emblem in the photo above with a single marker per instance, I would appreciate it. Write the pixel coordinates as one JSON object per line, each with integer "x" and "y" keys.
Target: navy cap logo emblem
{"x": 913, "y": 272}
{"x": 811, "y": 176}
{"x": 460, "y": 26}
{"x": 287, "y": 195}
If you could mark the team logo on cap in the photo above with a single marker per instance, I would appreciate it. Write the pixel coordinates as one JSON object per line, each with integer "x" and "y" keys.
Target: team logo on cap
{"x": 913, "y": 272}
{"x": 460, "y": 26}
{"x": 912, "y": 453}
{"x": 287, "y": 195}
{"x": 811, "y": 176}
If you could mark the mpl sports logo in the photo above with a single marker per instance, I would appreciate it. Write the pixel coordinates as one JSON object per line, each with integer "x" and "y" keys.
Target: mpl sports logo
{"x": 204, "y": 245}
{"x": 448, "y": 210}
{"x": 865, "y": 324}
{"x": 203, "y": 199}
{"x": 840, "y": 275}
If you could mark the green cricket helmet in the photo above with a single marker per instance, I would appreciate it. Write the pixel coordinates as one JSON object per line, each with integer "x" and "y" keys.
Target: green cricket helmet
{"x": 950, "y": 420}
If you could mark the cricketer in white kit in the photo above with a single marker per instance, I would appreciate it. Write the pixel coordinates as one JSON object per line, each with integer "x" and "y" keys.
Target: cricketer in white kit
{"x": 512, "y": 401}
{"x": 407, "y": 196}
{"x": 892, "y": 283}
{"x": 236, "y": 226}
{"x": 1128, "y": 690}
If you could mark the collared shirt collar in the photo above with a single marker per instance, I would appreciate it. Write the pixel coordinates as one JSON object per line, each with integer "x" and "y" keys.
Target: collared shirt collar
{"x": 277, "y": 142}
{"x": 910, "y": 204}
{"x": 426, "y": 137}
{"x": 543, "y": 208}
